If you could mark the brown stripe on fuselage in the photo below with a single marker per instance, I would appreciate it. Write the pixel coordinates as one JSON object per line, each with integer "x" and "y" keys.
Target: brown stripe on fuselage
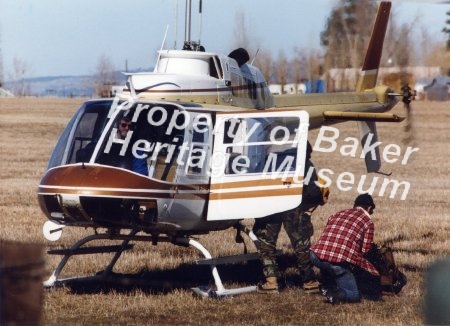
{"x": 121, "y": 193}
{"x": 235, "y": 88}
{"x": 108, "y": 178}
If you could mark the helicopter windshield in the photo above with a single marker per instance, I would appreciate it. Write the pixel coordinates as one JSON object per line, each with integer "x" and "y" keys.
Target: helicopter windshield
{"x": 78, "y": 139}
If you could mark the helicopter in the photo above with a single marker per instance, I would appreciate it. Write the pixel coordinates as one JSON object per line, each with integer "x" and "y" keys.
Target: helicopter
{"x": 197, "y": 145}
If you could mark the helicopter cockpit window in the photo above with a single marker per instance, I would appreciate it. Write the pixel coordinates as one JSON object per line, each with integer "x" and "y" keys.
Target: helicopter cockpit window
{"x": 77, "y": 142}
{"x": 85, "y": 137}
{"x": 256, "y": 145}
{"x": 212, "y": 69}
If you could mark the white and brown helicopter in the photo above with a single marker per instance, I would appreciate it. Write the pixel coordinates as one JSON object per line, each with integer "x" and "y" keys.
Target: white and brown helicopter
{"x": 196, "y": 146}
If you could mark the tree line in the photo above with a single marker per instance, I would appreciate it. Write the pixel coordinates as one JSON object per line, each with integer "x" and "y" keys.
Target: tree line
{"x": 344, "y": 40}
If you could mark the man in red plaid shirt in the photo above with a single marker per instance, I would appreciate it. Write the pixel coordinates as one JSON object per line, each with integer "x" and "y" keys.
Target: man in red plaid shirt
{"x": 340, "y": 254}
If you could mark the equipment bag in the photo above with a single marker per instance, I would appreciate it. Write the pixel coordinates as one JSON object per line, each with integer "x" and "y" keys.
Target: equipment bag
{"x": 392, "y": 279}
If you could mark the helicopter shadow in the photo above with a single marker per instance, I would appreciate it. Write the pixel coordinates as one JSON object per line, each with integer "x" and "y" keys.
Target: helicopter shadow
{"x": 183, "y": 277}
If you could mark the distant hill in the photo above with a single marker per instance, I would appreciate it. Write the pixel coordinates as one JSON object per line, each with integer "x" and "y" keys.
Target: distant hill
{"x": 62, "y": 86}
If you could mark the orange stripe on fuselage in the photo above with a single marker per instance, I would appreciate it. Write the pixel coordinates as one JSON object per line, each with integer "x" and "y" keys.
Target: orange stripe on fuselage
{"x": 257, "y": 193}
{"x": 262, "y": 182}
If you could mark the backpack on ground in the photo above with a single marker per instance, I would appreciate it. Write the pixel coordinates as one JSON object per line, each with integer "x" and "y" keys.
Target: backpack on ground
{"x": 392, "y": 279}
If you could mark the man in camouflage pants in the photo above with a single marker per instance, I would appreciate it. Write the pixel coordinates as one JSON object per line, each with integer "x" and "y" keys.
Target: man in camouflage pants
{"x": 298, "y": 226}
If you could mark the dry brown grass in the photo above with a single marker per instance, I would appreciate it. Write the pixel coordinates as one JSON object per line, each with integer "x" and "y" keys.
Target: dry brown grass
{"x": 417, "y": 228}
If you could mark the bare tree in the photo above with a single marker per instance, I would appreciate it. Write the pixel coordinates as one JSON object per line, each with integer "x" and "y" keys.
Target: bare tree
{"x": 403, "y": 53}
{"x": 104, "y": 77}
{"x": 281, "y": 69}
{"x": 400, "y": 49}
{"x": 264, "y": 62}
{"x": 20, "y": 71}
{"x": 437, "y": 55}
{"x": 299, "y": 67}
{"x": 1, "y": 63}
{"x": 240, "y": 32}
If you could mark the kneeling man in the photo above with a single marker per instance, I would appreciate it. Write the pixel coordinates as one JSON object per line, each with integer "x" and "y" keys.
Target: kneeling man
{"x": 346, "y": 274}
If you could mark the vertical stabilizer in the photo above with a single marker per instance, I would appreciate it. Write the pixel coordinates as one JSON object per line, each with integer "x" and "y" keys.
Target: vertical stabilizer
{"x": 368, "y": 78}
{"x": 369, "y": 137}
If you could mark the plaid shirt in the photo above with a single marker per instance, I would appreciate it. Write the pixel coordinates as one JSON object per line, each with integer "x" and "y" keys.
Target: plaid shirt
{"x": 347, "y": 237}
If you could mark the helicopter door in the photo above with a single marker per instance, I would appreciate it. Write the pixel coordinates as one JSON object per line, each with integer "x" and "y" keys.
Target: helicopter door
{"x": 257, "y": 164}
{"x": 192, "y": 171}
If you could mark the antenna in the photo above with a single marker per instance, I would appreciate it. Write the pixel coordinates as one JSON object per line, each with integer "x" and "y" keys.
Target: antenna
{"x": 256, "y": 54}
{"x": 162, "y": 46}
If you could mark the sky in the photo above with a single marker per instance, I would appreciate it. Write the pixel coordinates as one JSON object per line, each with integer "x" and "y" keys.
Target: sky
{"x": 57, "y": 37}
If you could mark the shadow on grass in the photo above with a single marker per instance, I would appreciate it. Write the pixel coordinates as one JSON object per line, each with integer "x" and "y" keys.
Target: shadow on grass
{"x": 185, "y": 276}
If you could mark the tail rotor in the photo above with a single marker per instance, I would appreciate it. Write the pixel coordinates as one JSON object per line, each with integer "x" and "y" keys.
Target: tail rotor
{"x": 408, "y": 96}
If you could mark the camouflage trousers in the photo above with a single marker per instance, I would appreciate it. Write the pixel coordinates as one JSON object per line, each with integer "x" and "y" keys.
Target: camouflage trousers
{"x": 299, "y": 229}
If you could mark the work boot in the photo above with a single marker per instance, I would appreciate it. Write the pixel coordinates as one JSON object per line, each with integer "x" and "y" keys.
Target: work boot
{"x": 271, "y": 285}
{"x": 311, "y": 286}
{"x": 310, "y": 282}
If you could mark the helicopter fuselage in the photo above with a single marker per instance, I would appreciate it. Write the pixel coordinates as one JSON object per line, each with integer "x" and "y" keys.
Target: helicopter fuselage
{"x": 182, "y": 168}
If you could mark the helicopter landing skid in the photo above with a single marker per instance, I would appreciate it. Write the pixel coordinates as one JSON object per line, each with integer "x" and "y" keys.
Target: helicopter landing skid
{"x": 220, "y": 289}
{"x": 77, "y": 249}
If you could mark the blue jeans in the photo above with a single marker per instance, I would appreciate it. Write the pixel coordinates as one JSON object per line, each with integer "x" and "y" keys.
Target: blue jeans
{"x": 345, "y": 280}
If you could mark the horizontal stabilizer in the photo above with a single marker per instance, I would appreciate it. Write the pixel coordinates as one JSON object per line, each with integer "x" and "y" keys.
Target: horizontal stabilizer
{"x": 362, "y": 116}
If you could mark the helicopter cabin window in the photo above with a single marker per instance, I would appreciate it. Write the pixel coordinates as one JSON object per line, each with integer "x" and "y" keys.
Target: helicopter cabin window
{"x": 215, "y": 69}
{"x": 256, "y": 145}
{"x": 197, "y": 160}
{"x": 184, "y": 66}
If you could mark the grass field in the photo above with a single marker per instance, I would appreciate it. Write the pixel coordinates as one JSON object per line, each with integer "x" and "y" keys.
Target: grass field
{"x": 417, "y": 228}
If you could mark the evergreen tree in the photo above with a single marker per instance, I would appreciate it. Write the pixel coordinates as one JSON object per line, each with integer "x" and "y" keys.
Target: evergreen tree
{"x": 347, "y": 32}
{"x": 447, "y": 30}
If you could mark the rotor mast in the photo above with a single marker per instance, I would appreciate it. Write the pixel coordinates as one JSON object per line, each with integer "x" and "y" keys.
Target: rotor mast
{"x": 188, "y": 43}
{"x": 187, "y": 24}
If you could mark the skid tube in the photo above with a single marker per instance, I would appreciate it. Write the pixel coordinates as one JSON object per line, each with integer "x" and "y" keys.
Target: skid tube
{"x": 78, "y": 249}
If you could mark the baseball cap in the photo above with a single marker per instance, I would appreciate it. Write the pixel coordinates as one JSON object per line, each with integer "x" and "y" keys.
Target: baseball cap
{"x": 364, "y": 200}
